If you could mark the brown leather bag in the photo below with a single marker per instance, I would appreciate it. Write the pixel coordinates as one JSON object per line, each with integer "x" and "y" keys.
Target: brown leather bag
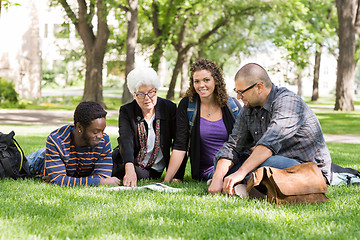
{"x": 303, "y": 183}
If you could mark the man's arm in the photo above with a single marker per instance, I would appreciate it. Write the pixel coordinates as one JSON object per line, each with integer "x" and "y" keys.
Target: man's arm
{"x": 227, "y": 156}
{"x": 222, "y": 168}
{"x": 257, "y": 157}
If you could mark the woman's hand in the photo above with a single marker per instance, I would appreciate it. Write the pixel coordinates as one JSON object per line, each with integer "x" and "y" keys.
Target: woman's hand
{"x": 130, "y": 177}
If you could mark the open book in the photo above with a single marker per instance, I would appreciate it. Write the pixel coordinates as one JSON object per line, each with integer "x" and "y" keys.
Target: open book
{"x": 159, "y": 187}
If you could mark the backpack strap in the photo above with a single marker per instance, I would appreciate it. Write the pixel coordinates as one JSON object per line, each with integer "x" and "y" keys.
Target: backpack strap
{"x": 191, "y": 113}
{"x": 192, "y": 110}
{"x": 234, "y": 109}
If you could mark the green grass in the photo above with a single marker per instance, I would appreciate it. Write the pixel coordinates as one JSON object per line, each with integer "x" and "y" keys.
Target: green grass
{"x": 331, "y": 122}
{"x": 31, "y": 209}
{"x": 339, "y": 122}
{"x": 66, "y": 102}
{"x": 330, "y": 100}
{"x": 69, "y": 103}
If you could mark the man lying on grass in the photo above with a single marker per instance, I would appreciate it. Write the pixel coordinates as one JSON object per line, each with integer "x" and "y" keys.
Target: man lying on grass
{"x": 78, "y": 154}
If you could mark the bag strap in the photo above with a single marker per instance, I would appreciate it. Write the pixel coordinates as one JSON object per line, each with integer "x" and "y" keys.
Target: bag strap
{"x": 193, "y": 106}
{"x": 21, "y": 153}
{"x": 234, "y": 109}
{"x": 24, "y": 163}
{"x": 191, "y": 113}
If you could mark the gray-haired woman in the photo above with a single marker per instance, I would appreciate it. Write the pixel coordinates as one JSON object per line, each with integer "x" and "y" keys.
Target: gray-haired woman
{"x": 146, "y": 130}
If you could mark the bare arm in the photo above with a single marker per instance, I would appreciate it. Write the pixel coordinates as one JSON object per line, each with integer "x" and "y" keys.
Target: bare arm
{"x": 222, "y": 168}
{"x": 257, "y": 157}
{"x": 176, "y": 159}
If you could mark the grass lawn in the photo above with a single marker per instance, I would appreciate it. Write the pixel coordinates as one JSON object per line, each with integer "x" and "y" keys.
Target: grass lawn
{"x": 339, "y": 122}
{"x": 31, "y": 209}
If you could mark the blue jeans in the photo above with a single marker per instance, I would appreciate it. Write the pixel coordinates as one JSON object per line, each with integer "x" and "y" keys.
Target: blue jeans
{"x": 208, "y": 176}
{"x": 275, "y": 161}
{"x": 36, "y": 161}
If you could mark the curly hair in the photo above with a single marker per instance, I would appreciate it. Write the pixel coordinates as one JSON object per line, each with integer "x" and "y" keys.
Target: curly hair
{"x": 85, "y": 112}
{"x": 221, "y": 96}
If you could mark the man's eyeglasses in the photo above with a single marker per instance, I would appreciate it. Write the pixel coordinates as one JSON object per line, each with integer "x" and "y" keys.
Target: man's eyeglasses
{"x": 242, "y": 92}
{"x": 150, "y": 94}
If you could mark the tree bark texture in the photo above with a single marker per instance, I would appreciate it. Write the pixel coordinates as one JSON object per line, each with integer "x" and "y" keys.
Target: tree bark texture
{"x": 131, "y": 39}
{"x": 179, "y": 62}
{"x": 348, "y": 18}
{"x": 299, "y": 84}
{"x": 161, "y": 27}
{"x": 315, "y": 92}
{"x": 95, "y": 45}
{"x": 184, "y": 74}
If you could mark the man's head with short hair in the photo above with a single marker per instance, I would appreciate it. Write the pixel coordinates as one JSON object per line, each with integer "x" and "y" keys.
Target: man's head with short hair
{"x": 253, "y": 85}
{"x": 88, "y": 111}
{"x": 252, "y": 73}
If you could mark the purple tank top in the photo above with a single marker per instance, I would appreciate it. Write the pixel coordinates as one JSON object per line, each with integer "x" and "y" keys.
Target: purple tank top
{"x": 212, "y": 136}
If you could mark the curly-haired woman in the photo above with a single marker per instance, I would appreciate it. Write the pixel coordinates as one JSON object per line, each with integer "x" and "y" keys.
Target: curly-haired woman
{"x": 213, "y": 122}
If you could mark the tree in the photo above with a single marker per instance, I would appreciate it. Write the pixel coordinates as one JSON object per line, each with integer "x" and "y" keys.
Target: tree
{"x": 161, "y": 15}
{"x": 303, "y": 25}
{"x": 94, "y": 44}
{"x": 6, "y": 4}
{"x": 131, "y": 40}
{"x": 197, "y": 24}
{"x": 348, "y": 12}
{"x": 322, "y": 22}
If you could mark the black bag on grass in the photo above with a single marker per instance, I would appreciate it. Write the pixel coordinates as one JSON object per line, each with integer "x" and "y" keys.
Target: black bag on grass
{"x": 13, "y": 163}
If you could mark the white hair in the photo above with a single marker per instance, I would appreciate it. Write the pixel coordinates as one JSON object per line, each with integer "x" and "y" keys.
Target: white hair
{"x": 142, "y": 76}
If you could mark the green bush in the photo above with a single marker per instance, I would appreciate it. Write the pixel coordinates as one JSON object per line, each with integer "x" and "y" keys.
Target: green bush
{"x": 8, "y": 95}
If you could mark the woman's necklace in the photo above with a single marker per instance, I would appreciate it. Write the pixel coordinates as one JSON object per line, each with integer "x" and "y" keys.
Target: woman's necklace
{"x": 209, "y": 112}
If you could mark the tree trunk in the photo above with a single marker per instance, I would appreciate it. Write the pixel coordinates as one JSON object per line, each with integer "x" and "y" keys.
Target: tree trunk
{"x": 156, "y": 56}
{"x": 95, "y": 49}
{"x": 299, "y": 84}
{"x": 161, "y": 26}
{"x": 179, "y": 62}
{"x": 348, "y": 35}
{"x": 184, "y": 74}
{"x": 95, "y": 46}
{"x": 131, "y": 40}
{"x": 315, "y": 93}
{"x": 93, "y": 90}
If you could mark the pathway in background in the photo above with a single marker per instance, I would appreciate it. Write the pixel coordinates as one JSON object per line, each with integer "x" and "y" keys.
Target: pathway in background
{"x": 47, "y": 120}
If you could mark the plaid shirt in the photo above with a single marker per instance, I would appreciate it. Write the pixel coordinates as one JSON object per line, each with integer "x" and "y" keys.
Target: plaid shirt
{"x": 285, "y": 125}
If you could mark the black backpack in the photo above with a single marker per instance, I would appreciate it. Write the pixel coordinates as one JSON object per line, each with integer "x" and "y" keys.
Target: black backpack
{"x": 13, "y": 163}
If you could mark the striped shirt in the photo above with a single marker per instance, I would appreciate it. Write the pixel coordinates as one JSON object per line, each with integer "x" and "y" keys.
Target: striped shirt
{"x": 69, "y": 165}
{"x": 285, "y": 125}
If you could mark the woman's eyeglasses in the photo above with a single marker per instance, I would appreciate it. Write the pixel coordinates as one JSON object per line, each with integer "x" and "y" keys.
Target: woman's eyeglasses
{"x": 150, "y": 94}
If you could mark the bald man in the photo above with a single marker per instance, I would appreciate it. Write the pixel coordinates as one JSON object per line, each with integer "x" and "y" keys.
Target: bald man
{"x": 276, "y": 124}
